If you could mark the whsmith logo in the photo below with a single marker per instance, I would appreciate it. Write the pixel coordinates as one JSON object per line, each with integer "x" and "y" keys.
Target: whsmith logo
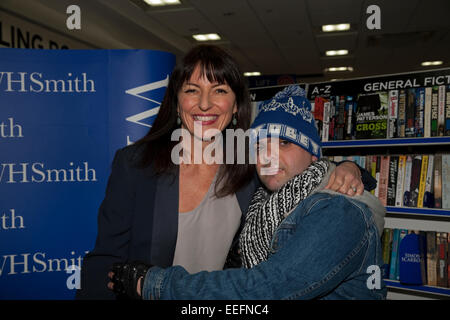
{"x": 37, "y": 82}
{"x": 138, "y": 91}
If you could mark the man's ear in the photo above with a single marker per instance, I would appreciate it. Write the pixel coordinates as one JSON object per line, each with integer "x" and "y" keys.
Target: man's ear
{"x": 314, "y": 158}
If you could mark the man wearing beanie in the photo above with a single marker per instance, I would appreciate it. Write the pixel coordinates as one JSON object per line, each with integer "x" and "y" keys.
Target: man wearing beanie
{"x": 300, "y": 240}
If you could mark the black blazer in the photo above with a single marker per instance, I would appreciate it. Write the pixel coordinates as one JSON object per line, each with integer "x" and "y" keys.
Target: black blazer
{"x": 137, "y": 220}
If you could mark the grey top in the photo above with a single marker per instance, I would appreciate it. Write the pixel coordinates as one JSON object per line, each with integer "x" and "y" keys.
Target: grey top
{"x": 205, "y": 234}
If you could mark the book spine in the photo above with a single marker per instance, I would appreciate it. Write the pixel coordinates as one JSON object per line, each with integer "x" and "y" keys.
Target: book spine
{"x": 341, "y": 119}
{"x": 438, "y": 181}
{"x": 386, "y": 251}
{"x": 407, "y": 183}
{"x": 423, "y": 180}
{"x": 415, "y": 180}
{"x": 377, "y": 174}
{"x": 326, "y": 121}
{"x": 400, "y": 181}
{"x": 446, "y": 181}
{"x": 383, "y": 180}
{"x": 423, "y": 255}
{"x": 403, "y": 233}
{"x": 420, "y": 107}
{"x": 441, "y": 111}
{"x": 447, "y": 111}
{"x": 393, "y": 110}
{"x": 428, "y": 198}
{"x": 434, "y": 111}
{"x": 410, "y": 129}
{"x": 394, "y": 254}
{"x": 441, "y": 246}
{"x": 392, "y": 183}
{"x": 401, "y": 122}
{"x": 427, "y": 113}
{"x": 351, "y": 118}
{"x": 431, "y": 259}
{"x": 448, "y": 260}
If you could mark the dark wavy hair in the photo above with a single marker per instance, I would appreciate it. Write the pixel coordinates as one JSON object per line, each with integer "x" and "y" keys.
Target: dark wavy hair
{"x": 216, "y": 65}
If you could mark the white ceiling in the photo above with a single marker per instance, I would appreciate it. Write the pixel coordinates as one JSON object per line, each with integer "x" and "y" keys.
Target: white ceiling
{"x": 270, "y": 36}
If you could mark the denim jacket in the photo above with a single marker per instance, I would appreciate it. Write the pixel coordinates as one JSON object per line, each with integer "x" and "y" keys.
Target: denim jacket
{"x": 325, "y": 249}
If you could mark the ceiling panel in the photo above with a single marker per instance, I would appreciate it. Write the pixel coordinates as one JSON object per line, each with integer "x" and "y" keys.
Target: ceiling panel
{"x": 273, "y": 37}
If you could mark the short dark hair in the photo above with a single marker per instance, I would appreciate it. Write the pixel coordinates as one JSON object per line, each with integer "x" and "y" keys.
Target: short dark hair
{"x": 217, "y": 66}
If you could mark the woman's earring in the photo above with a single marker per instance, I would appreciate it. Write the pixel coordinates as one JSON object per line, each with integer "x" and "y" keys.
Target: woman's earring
{"x": 178, "y": 120}
{"x": 234, "y": 121}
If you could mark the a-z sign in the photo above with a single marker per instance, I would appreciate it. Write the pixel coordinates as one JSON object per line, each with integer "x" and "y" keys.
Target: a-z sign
{"x": 379, "y": 83}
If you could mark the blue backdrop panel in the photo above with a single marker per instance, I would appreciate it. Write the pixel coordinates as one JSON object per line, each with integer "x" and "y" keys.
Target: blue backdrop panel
{"x": 63, "y": 114}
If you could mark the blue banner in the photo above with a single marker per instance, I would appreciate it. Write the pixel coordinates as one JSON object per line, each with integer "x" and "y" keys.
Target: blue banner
{"x": 63, "y": 114}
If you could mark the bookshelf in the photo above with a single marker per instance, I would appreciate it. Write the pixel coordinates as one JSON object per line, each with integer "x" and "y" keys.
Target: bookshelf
{"x": 424, "y": 219}
{"x": 394, "y": 142}
{"x": 429, "y": 292}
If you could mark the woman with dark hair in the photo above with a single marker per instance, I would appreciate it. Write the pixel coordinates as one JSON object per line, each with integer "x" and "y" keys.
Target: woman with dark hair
{"x": 188, "y": 214}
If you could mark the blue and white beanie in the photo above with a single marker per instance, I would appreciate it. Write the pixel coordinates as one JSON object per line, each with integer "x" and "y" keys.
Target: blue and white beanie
{"x": 288, "y": 116}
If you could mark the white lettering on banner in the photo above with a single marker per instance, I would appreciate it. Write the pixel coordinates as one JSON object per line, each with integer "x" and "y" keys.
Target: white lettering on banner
{"x": 24, "y": 263}
{"x": 137, "y": 118}
{"x": 404, "y": 84}
{"x": 36, "y": 82}
{"x": 10, "y": 129}
{"x": 26, "y": 172}
{"x": 11, "y": 221}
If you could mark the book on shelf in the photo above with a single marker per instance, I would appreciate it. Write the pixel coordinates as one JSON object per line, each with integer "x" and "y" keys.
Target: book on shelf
{"x": 400, "y": 181}
{"x": 401, "y": 121}
{"x": 448, "y": 260}
{"x": 438, "y": 181}
{"x": 411, "y": 258}
{"x": 326, "y": 120}
{"x": 422, "y": 180}
{"x": 341, "y": 118}
{"x": 445, "y": 161}
{"x": 383, "y": 179}
{"x": 420, "y": 107}
{"x": 428, "y": 197}
{"x": 350, "y": 110}
{"x": 371, "y": 116}
{"x": 407, "y": 182}
{"x": 394, "y": 254}
{"x": 427, "y": 113}
{"x": 386, "y": 245}
{"x": 441, "y": 110}
{"x": 447, "y": 110}
{"x": 434, "y": 110}
{"x": 410, "y": 112}
{"x": 392, "y": 180}
{"x": 392, "y": 117}
{"x": 416, "y": 257}
{"x": 441, "y": 264}
{"x": 415, "y": 181}
{"x": 431, "y": 258}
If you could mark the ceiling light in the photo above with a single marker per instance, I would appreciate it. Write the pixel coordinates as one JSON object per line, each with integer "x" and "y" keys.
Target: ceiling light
{"x": 336, "y": 27}
{"x": 342, "y": 52}
{"x": 252, "y": 74}
{"x": 206, "y": 37}
{"x": 154, "y": 3}
{"x": 431, "y": 63}
{"x": 334, "y": 69}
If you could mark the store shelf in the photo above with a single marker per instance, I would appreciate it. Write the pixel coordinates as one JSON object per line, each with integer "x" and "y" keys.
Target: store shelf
{"x": 387, "y": 142}
{"x": 439, "y": 292}
{"x": 419, "y": 211}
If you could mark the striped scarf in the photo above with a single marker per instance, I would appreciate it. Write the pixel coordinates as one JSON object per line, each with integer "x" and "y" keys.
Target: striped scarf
{"x": 267, "y": 210}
